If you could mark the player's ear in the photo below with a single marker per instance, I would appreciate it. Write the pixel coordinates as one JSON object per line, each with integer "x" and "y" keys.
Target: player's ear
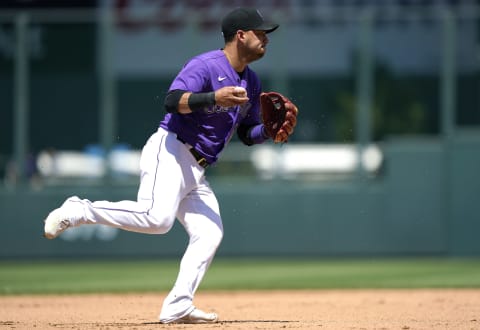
{"x": 241, "y": 35}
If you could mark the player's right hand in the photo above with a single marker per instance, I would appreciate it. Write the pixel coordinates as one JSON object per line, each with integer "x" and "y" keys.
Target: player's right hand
{"x": 229, "y": 96}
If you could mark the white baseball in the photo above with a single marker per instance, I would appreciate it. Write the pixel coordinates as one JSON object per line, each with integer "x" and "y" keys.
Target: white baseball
{"x": 239, "y": 91}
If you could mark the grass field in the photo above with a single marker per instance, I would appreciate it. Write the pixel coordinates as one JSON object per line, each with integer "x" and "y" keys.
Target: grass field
{"x": 48, "y": 277}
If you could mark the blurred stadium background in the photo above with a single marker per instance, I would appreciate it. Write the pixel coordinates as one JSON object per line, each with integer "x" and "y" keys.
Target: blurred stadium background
{"x": 384, "y": 161}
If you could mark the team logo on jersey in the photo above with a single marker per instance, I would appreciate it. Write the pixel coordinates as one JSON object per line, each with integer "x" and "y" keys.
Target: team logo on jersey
{"x": 242, "y": 109}
{"x": 218, "y": 109}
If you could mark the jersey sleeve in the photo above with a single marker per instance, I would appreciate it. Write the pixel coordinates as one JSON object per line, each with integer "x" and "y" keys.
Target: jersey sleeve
{"x": 193, "y": 77}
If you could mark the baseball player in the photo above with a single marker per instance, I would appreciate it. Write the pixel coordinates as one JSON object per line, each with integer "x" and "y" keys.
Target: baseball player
{"x": 214, "y": 95}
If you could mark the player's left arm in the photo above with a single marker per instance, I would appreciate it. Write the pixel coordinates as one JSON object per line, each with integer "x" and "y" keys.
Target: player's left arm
{"x": 251, "y": 130}
{"x": 252, "y": 134}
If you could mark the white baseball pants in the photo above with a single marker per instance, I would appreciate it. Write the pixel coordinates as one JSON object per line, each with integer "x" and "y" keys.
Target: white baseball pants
{"x": 172, "y": 186}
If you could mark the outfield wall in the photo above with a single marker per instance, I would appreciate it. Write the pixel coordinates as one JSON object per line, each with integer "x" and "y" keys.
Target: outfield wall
{"x": 425, "y": 202}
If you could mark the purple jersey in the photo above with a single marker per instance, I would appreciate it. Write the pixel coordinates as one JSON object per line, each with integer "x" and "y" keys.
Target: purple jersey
{"x": 210, "y": 130}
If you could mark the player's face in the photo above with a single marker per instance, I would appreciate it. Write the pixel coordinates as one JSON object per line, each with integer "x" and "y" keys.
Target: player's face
{"x": 255, "y": 43}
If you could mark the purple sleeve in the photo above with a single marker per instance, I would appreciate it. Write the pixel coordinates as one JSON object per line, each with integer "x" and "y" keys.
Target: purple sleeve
{"x": 258, "y": 134}
{"x": 193, "y": 77}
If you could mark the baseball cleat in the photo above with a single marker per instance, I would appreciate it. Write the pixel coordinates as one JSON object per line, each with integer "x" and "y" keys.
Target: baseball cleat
{"x": 55, "y": 224}
{"x": 198, "y": 316}
{"x": 62, "y": 218}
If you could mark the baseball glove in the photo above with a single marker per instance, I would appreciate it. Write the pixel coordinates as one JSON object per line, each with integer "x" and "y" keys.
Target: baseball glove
{"x": 279, "y": 116}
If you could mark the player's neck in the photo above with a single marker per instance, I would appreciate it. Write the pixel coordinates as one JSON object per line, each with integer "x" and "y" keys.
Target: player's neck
{"x": 237, "y": 63}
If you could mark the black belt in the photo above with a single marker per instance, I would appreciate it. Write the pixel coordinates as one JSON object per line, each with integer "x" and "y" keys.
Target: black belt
{"x": 199, "y": 158}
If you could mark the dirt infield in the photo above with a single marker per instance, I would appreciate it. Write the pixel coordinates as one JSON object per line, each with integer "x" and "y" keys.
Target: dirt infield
{"x": 326, "y": 309}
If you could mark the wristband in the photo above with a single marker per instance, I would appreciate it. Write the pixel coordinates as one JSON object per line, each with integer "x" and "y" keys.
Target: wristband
{"x": 198, "y": 101}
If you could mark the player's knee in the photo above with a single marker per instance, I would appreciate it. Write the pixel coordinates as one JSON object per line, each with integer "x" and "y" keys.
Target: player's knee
{"x": 214, "y": 239}
{"x": 161, "y": 224}
{"x": 208, "y": 240}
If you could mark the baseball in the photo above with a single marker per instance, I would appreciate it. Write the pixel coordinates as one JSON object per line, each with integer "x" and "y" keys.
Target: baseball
{"x": 239, "y": 91}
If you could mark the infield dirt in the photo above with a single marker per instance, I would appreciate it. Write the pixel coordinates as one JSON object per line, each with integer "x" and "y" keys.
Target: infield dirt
{"x": 320, "y": 309}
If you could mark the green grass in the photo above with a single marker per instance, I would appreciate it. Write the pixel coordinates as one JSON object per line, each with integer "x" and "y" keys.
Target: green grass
{"x": 236, "y": 274}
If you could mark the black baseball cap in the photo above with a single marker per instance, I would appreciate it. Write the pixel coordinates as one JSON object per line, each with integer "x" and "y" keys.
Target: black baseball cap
{"x": 245, "y": 19}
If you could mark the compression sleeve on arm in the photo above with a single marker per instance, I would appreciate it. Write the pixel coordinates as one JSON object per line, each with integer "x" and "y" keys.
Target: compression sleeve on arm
{"x": 252, "y": 134}
{"x": 172, "y": 99}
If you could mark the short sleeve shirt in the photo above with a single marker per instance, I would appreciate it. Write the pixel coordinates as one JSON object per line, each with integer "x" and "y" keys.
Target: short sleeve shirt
{"x": 209, "y": 131}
